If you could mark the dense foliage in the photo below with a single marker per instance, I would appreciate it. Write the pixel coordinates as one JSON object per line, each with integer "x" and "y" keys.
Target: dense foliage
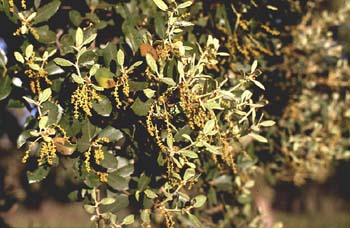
{"x": 156, "y": 106}
{"x": 313, "y": 130}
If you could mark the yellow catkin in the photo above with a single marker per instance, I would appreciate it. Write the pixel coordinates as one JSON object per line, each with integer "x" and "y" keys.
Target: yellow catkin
{"x": 196, "y": 115}
{"x": 34, "y": 33}
{"x": 26, "y": 156}
{"x": 24, "y": 4}
{"x": 102, "y": 176}
{"x": 243, "y": 24}
{"x": 169, "y": 220}
{"x": 98, "y": 155}
{"x": 116, "y": 97}
{"x": 168, "y": 127}
{"x": 11, "y": 6}
{"x": 82, "y": 98}
{"x": 98, "y": 152}
{"x": 87, "y": 160}
{"x": 270, "y": 30}
{"x": 61, "y": 130}
{"x": 96, "y": 148}
{"x": 159, "y": 141}
{"x": 123, "y": 82}
{"x": 36, "y": 78}
{"x": 47, "y": 153}
{"x": 149, "y": 123}
{"x": 227, "y": 154}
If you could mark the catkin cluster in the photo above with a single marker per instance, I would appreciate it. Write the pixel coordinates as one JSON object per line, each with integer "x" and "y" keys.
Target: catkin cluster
{"x": 82, "y": 98}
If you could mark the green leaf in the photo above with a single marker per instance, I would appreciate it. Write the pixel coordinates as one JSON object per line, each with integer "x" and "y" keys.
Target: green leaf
{"x": 244, "y": 199}
{"x": 103, "y": 107}
{"x": 121, "y": 202}
{"x": 92, "y": 180}
{"x": 5, "y": 87}
{"x": 54, "y": 112}
{"x": 37, "y": 175}
{"x": 137, "y": 86}
{"x": 73, "y": 196}
{"x": 150, "y": 194}
{"x": 79, "y": 36}
{"x": 94, "y": 69}
{"x": 88, "y": 58}
{"x": 77, "y": 79}
{"x": 117, "y": 182}
{"x": 63, "y": 62}
{"x": 189, "y": 154}
{"x": 23, "y": 137}
{"x": 29, "y": 50}
{"x": 111, "y": 133}
{"x": 254, "y": 66}
{"x": 137, "y": 195}
{"x": 135, "y": 64}
{"x": 258, "y": 84}
{"x": 211, "y": 148}
{"x": 29, "y": 100}
{"x": 143, "y": 182}
{"x": 189, "y": 173}
{"x": 3, "y": 58}
{"x": 120, "y": 57}
{"x": 258, "y": 138}
{"x": 104, "y": 78}
{"x": 126, "y": 170}
{"x": 184, "y": 5}
{"x": 141, "y": 108}
{"x": 195, "y": 221}
{"x": 75, "y": 17}
{"x": 145, "y": 216}
{"x": 228, "y": 95}
{"x": 130, "y": 219}
{"x": 160, "y": 24}
{"x": 267, "y": 123}
{"x": 133, "y": 36}
{"x": 89, "y": 209}
{"x": 53, "y": 69}
{"x": 181, "y": 68}
{"x": 45, "y": 12}
{"x": 45, "y": 95}
{"x": 209, "y": 126}
{"x": 43, "y": 122}
{"x": 91, "y": 38}
{"x": 161, "y": 5}
{"x": 249, "y": 184}
{"x": 149, "y": 92}
{"x": 106, "y": 201}
{"x": 212, "y": 196}
{"x": 89, "y": 131}
{"x": 151, "y": 62}
{"x": 186, "y": 136}
{"x": 109, "y": 161}
{"x": 109, "y": 53}
{"x": 46, "y": 35}
{"x": 199, "y": 201}
{"x": 34, "y": 66}
{"x": 213, "y": 105}
{"x": 18, "y": 57}
{"x": 168, "y": 81}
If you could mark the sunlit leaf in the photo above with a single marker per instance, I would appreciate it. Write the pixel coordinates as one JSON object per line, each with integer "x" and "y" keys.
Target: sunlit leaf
{"x": 161, "y": 4}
